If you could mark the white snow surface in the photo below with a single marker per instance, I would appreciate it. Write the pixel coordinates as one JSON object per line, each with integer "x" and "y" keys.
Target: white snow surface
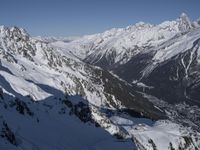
{"x": 163, "y": 133}
{"x": 44, "y": 74}
{"x": 56, "y": 132}
{"x": 32, "y": 67}
{"x": 123, "y": 43}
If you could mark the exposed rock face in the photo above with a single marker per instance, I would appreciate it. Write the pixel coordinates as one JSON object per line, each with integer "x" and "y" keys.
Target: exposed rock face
{"x": 8, "y": 134}
{"x": 154, "y": 61}
{"x": 148, "y": 54}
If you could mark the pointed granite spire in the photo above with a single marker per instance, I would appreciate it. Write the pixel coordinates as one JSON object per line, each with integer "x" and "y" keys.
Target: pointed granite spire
{"x": 184, "y": 22}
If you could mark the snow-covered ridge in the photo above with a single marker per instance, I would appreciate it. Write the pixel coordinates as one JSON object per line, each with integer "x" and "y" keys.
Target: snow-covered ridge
{"x": 32, "y": 70}
{"x": 173, "y": 47}
{"x": 33, "y": 60}
{"x": 119, "y": 45}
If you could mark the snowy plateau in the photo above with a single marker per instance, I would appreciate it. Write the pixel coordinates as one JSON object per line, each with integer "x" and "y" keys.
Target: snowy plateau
{"x": 126, "y": 88}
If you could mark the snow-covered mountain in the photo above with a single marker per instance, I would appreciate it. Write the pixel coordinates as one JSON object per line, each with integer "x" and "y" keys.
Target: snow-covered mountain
{"x": 119, "y": 45}
{"x": 137, "y": 51}
{"x": 42, "y": 98}
{"x": 51, "y": 99}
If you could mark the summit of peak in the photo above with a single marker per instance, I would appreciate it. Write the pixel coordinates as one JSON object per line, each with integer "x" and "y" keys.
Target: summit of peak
{"x": 13, "y": 31}
{"x": 184, "y": 17}
{"x": 184, "y": 22}
{"x": 183, "y": 14}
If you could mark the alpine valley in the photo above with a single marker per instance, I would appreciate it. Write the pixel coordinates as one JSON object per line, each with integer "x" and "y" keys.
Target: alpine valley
{"x": 126, "y": 88}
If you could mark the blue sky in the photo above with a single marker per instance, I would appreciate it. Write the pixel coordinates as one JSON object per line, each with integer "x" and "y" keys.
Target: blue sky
{"x": 78, "y": 17}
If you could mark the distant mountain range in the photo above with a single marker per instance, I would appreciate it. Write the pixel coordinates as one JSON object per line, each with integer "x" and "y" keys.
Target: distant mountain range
{"x": 162, "y": 57}
{"x": 141, "y": 84}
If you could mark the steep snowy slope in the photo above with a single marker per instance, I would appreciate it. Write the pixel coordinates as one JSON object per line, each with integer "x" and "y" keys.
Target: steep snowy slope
{"x": 35, "y": 80}
{"x": 50, "y": 99}
{"x": 50, "y": 127}
{"x": 173, "y": 67}
{"x": 117, "y": 46}
{"x": 35, "y": 63}
{"x": 136, "y": 52}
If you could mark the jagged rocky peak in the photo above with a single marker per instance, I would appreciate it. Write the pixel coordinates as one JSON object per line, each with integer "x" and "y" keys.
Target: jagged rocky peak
{"x": 139, "y": 26}
{"x": 14, "y": 33}
{"x": 184, "y": 22}
{"x": 16, "y": 40}
{"x": 183, "y": 15}
{"x": 142, "y": 24}
{"x": 93, "y": 95}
